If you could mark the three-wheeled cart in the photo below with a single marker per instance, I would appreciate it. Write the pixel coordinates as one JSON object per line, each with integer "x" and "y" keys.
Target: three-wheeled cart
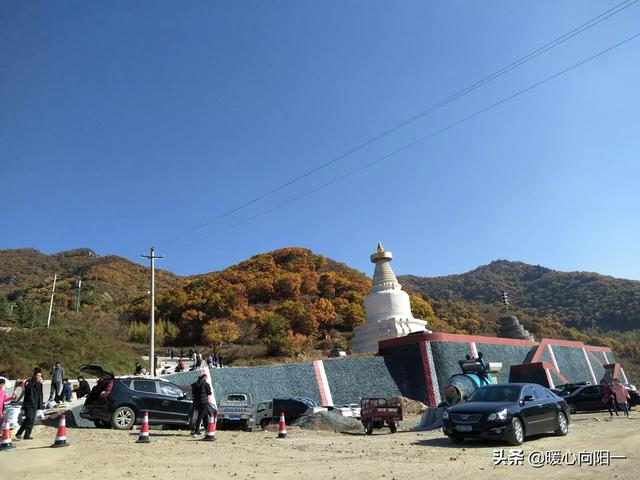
{"x": 376, "y": 413}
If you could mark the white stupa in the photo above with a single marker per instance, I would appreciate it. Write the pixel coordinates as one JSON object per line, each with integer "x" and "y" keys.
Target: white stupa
{"x": 388, "y": 309}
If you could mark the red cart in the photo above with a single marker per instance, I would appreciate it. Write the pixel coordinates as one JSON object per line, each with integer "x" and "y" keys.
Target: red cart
{"x": 376, "y": 413}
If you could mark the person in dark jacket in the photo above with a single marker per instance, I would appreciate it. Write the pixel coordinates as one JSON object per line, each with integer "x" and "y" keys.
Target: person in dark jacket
{"x": 31, "y": 404}
{"x": 83, "y": 387}
{"x": 607, "y": 396}
{"x": 200, "y": 391}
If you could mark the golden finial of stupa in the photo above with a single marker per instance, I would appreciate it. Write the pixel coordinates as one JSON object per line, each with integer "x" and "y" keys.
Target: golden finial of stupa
{"x": 380, "y": 248}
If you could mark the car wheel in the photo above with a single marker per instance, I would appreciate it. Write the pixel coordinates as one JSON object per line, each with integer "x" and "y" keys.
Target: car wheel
{"x": 123, "y": 418}
{"x": 563, "y": 425}
{"x": 368, "y": 428}
{"x": 516, "y": 436}
{"x": 572, "y": 408}
{"x": 264, "y": 423}
{"x": 393, "y": 427}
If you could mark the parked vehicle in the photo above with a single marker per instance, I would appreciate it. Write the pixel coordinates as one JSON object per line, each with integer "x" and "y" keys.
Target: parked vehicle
{"x": 508, "y": 412}
{"x": 587, "y": 398}
{"x": 337, "y": 352}
{"x": 293, "y": 408}
{"x": 236, "y": 410}
{"x": 118, "y": 402}
{"x": 376, "y": 413}
{"x": 350, "y": 410}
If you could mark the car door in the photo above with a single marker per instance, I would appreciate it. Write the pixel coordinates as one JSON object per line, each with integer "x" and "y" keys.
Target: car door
{"x": 145, "y": 394}
{"x": 174, "y": 405}
{"x": 531, "y": 411}
{"x": 549, "y": 408}
{"x": 588, "y": 398}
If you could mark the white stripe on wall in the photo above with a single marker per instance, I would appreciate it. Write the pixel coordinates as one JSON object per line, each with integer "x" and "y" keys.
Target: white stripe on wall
{"x": 586, "y": 359}
{"x": 553, "y": 358}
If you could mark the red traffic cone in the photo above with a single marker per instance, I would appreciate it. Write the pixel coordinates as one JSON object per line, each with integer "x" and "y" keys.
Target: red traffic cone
{"x": 210, "y": 434}
{"x": 144, "y": 429}
{"x": 282, "y": 427}
{"x": 61, "y": 435}
{"x": 6, "y": 434}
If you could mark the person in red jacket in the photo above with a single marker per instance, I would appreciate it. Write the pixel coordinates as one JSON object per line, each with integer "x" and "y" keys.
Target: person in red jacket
{"x": 622, "y": 396}
{"x": 4, "y": 396}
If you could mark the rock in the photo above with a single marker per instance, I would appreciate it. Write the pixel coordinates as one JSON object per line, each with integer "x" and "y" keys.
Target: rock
{"x": 328, "y": 421}
{"x": 409, "y": 406}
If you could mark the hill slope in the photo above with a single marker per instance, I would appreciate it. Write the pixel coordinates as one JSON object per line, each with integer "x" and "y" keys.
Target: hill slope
{"x": 579, "y": 299}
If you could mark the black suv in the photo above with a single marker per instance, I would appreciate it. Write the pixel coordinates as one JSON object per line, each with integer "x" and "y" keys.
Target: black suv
{"x": 118, "y": 402}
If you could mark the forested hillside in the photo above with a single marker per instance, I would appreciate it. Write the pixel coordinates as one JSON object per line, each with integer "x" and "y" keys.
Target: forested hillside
{"x": 578, "y": 299}
{"x": 287, "y": 304}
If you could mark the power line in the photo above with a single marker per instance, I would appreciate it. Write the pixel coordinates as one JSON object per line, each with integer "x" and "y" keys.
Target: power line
{"x": 502, "y": 71}
{"x": 414, "y": 143}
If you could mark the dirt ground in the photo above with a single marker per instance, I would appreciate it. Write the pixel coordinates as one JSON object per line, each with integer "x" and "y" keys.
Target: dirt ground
{"x": 109, "y": 454}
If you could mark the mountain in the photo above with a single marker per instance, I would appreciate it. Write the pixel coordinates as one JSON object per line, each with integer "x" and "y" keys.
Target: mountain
{"x": 577, "y": 299}
{"x": 288, "y": 303}
{"x": 109, "y": 283}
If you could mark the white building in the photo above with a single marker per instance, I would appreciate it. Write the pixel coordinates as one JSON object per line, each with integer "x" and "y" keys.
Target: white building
{"x": 388, "y": 309}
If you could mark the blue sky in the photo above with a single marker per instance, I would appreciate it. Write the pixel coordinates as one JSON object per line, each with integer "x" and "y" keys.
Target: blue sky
{"x": 127, "y": 124}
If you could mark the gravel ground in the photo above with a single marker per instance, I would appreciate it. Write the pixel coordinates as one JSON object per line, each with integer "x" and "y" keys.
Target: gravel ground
{"x": 111, "y": 455}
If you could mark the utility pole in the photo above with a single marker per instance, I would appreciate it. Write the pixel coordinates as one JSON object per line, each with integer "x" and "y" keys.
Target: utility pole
{"x": 152, "y": 323}
{"x": 53, "y": 291}
{"x": 78, "y": 296}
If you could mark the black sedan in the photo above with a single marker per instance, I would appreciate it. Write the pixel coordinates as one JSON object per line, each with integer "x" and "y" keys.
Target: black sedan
{"x": 588, "y": 398}
{"x": 508, "y": 412}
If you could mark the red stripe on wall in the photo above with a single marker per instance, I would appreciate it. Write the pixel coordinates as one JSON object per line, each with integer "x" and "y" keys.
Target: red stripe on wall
{"x": 428, "y": 376}
{"x": 450, "y": 337}
{"x": 323, "y": 394}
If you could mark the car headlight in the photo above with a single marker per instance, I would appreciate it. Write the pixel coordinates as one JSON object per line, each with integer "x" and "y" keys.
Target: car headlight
{"x": 445, "y": 415}
{"x": 500, "y": 415}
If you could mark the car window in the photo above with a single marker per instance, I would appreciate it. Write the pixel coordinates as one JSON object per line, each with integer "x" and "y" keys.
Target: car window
{"x": 169, "y": 389}
{"x": 148, "y": 386}
{"x": 528, "y": 390}
{"x": 497, "y": 393}
{"x": 591, "y": 390}
{"x": 236, "y": 398}
{"x": 541, "y": 392}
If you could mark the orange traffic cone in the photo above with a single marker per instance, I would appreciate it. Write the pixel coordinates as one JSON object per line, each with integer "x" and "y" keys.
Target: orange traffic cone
{"x": 6, "y": 434}
{"x": 61, "y": 435}
{"x": 282, "y": 427}
{"x": 144, "y": 429}
{"x": 210, "y": 434}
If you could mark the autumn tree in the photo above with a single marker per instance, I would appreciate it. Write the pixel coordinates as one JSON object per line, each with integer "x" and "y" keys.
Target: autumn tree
{"x": 275, "y": 331}
{"x": 323, "y": 312}
{"x": 219, "y": 331}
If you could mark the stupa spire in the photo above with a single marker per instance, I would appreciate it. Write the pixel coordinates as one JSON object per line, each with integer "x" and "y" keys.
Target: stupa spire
{"x": 383, "y": 273}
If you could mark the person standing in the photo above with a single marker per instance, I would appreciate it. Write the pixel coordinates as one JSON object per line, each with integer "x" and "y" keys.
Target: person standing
{"x": 201, "y": 391}
{"x": 33, "y": 399}
{"x": 138, "y": 370}
{"x": 607, "y": 396}
{"x": 57, "y": 373}
{"x": 622, "y": 396}
{"x": 4, "y": 396}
